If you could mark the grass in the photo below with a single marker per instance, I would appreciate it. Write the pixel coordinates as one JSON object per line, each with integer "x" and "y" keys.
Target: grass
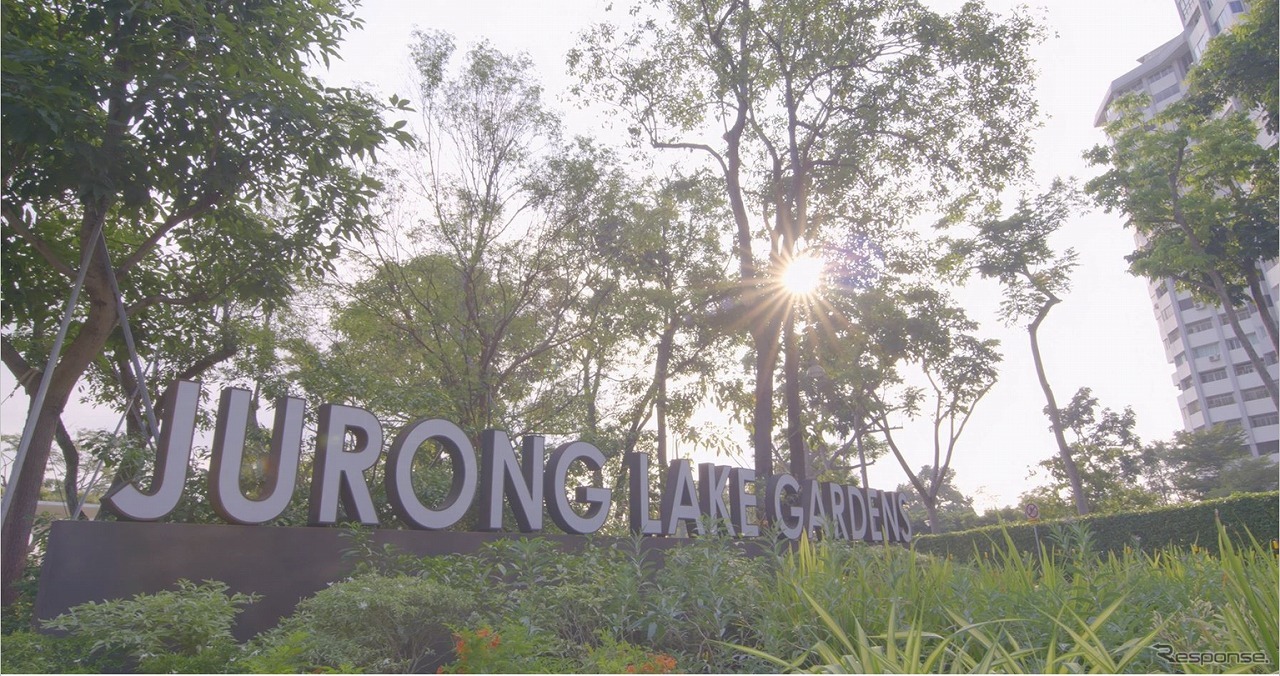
{"x": 1065, "y": 609}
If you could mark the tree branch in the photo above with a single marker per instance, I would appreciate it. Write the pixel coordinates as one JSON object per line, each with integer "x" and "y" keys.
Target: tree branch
{"x": 20, "y": 226}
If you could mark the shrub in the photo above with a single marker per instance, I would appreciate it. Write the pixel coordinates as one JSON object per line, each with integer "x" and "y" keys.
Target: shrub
{"x": 27, "y": 652}
{"x": 1149, "y": 530}
{"x": 510, "y": 649}
{"x": 188, "y": 622}
{"x": 620, "y": 657}
{"x": 375, "y": 623}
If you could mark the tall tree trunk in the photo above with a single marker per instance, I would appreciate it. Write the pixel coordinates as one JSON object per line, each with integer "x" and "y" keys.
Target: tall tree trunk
{"x": 16, "y": 530}
{"x": 1055, "y": 415}
{"x": 1220, "y": 288}
{"x": 665, "y": 346}
{"x": 931, "y": 509}
{"x": 1219, "y": 284}
{"x": 90, "y": 338}
{"x": 791, "y": 381}
{"x": 1264, "y": 308}
{"x": 29, "y": 378}
{"x": 766, "y": 347}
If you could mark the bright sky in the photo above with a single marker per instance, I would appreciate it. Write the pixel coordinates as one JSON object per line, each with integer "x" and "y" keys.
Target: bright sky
{"x": 1102, "y": 336}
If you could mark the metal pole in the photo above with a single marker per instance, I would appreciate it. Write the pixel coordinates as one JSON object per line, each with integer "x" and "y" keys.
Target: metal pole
{"x": 152, "y": 426}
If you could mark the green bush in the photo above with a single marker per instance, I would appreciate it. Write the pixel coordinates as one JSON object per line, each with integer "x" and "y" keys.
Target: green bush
{"x": 157, "y": 631}
{"x": 510, "y": 649}
{"x": 1150, "y": 530}
{"x": 26, "y": 652}
{"x": 375, "y": 623}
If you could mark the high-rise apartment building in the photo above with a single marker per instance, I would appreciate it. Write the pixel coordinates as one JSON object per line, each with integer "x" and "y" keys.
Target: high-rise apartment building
{"x": 1217, "y": 382}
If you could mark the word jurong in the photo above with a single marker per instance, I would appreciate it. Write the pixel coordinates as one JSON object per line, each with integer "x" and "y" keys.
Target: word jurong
{"x": 530, "y": 482}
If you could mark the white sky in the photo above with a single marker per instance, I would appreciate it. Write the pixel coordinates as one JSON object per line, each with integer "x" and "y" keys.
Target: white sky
{"x": 1102, "y": 336}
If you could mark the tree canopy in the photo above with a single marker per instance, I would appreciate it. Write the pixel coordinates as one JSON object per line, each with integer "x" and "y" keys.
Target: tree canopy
{"x": 182, "y": 154}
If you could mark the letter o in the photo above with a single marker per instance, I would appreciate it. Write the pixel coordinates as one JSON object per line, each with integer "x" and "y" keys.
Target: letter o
{"x": 399, "y": 477}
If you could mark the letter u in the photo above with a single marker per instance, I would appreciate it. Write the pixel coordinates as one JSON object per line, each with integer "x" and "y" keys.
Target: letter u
{"x": 281, "y": 475}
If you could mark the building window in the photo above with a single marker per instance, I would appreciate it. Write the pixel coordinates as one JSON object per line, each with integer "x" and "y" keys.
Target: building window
{"x": 1185, "y": 384}
{"x": 1230, "y": 424}
{"x": 1264, "y": 420}
{"x": 1180, "y": 359}
{"x": 1254, "y": 393}
{"x": 1220, "y": 400}
{"x": 1198, "y": 49}
{"x": 1171, "y": 337}
{"x": 1210, "y": 350}
{"x": 1235, "y": 344}
{"x": 1168, "y": 93}
{"x": 1246, "y": 367}
{"x": 1270, "y": 358}
{"x": 1162, "y": 290}
{"x": 1236, "y": 6}
{"x": 1186, "y": 303}
{"x": 1214, "y": 375}
{"x": 1193, "y": 408}
{"x": 1163, "y": 72}
{"x": 1241, "y": 314}
{"x": 1198, "y": 326}
{"x": 1185, "y": 7}
{"x": 1168, "y": 312}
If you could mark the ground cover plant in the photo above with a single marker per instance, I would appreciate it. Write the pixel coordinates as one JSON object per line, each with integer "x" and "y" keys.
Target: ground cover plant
{"x": 526, "y": 606}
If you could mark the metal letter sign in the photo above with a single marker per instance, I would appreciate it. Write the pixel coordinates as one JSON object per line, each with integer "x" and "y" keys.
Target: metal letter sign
{"x": 399, "y": 479}
{"x": 281, "y": 472}
{"x": 173, "y": 456}
{"x": 349, "y": 441}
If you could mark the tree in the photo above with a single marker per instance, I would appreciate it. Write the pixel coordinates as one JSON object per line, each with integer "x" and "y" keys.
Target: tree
{"x": 467, "y": 304}
{"x": 1203, "y": 196}
{"x": 1242, "y": 62}
{"x": 1213, "y": 462}
{"x": 817, "y": 115}
{"x": 179, "y": 152}
{"x": 1015, "y": 251}
{"x": 937, "y": 343}
{"x": 954, "y": 510}
{"x": 1115, "y": 470}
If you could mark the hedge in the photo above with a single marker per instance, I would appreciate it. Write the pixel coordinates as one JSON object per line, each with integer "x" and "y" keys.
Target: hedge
{"x": 1150, "y": 529}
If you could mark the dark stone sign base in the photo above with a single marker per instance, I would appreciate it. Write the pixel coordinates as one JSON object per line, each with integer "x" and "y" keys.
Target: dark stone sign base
{"x": 102, "y": 560}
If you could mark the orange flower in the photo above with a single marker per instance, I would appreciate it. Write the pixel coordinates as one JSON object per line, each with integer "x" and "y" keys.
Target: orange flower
{"x": 631, "y": 668}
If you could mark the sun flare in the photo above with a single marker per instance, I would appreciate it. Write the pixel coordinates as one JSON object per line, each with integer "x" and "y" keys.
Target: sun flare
{"x": 803, "y": 275}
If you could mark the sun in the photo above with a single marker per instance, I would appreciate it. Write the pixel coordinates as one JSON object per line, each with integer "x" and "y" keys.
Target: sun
{"x": 803, "y": 275}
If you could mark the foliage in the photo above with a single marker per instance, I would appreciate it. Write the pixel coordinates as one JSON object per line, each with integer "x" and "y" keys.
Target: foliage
{"x": 510, "y": 649}
{"x": 1116, "y": 472}
{"x": 954, "y": 509}
{"x": 1213, "y": 463}
{"x": 1016, "y": 252}
{"x": 1202, "y": 194}
{"x": 619, "y": 657}
{"x": 28, "y": 652}
{"x": 842, "y": 609}
{"x": 182, "y": 154}
{"x": 1149, "y": 530}
{"x": 188, "y": 628}
{"x": 382, "y": 624}
{"x": 817, "y": 136}
{"x": 1075, "y": 604}
{"x": 703, "y": 594}
{"x": 1242, "y": 62}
